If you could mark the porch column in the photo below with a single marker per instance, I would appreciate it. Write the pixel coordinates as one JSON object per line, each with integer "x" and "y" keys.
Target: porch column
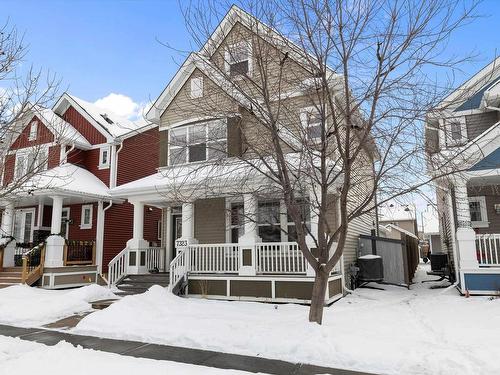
{"x": 7, "y": 223}
{"x": 137, "y": 245}
{"x": 7, "y": 219}
{"x": 466, "y": 237}
{"x": 188, "y": 221}
{"x": 248, "y": 258}
{"x": 55, "y": 242}
{"x": 99, "y": 241}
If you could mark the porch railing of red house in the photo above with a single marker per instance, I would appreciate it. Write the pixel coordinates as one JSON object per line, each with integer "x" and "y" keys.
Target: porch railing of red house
{"x": 21, "y": 249}
{"x": 32, "y": 263}
{"x": 78, "y": 252}
{"x": 488, "y": 249}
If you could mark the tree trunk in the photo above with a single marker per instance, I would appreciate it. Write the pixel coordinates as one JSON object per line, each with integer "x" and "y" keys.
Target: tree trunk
{"x": 318, "y": 296}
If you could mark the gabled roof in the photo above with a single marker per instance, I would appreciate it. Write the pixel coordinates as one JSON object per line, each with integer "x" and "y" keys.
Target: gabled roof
{"x": 399, "y": 229}
{"x": 63, "y": 131}
{"x": 108, "y": 123}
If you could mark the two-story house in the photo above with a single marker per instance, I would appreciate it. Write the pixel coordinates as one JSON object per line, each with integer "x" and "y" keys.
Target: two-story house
{"x": 463, "y": 147}
{"x": 223, "y": 237}
{"x": 57, "y": 177}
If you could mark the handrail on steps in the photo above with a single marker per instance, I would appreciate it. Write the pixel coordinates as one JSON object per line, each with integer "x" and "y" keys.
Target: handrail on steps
{"x": 33, "y": 262}
{"x": 179, "y": 269}
{"x": 117, "y": 267}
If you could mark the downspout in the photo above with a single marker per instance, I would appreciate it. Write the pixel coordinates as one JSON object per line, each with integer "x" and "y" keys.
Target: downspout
{"x": 66, "y": 153}
{"x": 101, "y": 235}
{"x": 114, "y": 167}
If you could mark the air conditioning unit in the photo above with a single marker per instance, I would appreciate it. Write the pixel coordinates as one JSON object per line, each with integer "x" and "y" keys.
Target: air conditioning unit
{"x": 439, "y": 261}
{"x": 370, "y": 268}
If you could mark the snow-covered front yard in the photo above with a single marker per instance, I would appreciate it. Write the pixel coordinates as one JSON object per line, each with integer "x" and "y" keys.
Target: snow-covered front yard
{"x": 25, "y": 357}
{"x": 23, "y": 306}
{"x": 396, "y": 331}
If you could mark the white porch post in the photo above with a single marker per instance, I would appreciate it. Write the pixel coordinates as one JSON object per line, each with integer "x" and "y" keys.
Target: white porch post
{"x": 466, "y": 238}
{"x": 99, "y": 245}
{"x": 187, "y": 221}
{"x": 137, "y": 245}
{"x": 55, "y": 243}
{"x": 248, "y": 258}
{"x": 7, "y": 224}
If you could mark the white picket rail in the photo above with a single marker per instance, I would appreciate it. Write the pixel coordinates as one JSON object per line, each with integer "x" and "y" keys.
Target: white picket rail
{"x": 179, "y": 268}
{"x": 488, "y": 249}
{"x": 117, "y": 268}
{"x": 155, "y": 258}
{"x": 280, "y": 257}
{"x": 214, "y": 258}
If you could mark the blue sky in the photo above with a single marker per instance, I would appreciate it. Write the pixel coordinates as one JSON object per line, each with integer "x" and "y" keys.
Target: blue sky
{"x": 103, "y": 47}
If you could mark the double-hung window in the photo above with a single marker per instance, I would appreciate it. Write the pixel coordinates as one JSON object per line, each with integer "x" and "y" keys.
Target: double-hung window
{"x": 305, "y": 214}
{"x": 196, "y": 87}
{"x": 478, "y": 212}
{"x": 104, "y": 157}
{"x": 238, "y": 59}
{"x": 31, "y": 161}
{"x": 268, "y": 221}
{"x": 310, "y": 118}
{"x": 198, "y": 142}
{"x": 86, "y": 218}
{"x": 455, "y": 131}
{"x": 237, "y": 224}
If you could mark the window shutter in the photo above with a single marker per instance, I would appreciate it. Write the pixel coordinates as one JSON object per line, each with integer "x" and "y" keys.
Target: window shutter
{"x": 234, "y": 136}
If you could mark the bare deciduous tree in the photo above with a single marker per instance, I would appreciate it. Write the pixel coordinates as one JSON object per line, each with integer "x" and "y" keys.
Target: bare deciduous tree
{"x": 332, "y": 104}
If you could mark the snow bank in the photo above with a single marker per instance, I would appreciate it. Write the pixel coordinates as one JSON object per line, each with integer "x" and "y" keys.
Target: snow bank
{"x": 395, "y": 331}
{"x": 24, "y": 357}
{"x": 25, "y": 306}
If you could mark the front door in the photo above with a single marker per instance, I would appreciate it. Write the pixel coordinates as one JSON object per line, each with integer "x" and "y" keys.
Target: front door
{"x": 176, "y": 231}
{"x": 24, "y": 222}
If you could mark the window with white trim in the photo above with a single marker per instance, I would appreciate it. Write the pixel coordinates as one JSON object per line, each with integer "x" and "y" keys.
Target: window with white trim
{"x": 31, "y": 160}
{"x": 305, "y": 213}
{"x": 33, "y": 131}
{"x": 478, "y": 212}
{"x": 238, "y": 59}
{"x": 268, "y": 221}
{"x": 310, "y": 118}
{"x": 86, "y": 219}
{"x": 198, "y": 142}
{"x": 159, "y": 229}
{"x": 104, "y": 157}
{"x": 196, "y": 87}
{"x": 455, "y": 131}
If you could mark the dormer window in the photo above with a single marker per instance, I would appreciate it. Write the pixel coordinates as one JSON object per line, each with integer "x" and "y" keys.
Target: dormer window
{"x": 455, "y": 131}
{"x": 238, "y": 59}
{"x": 310, "y": 118}
{"x": 33, "y": 131}
{"x": 196, "y": 87}
{"x": 104, "y": 157}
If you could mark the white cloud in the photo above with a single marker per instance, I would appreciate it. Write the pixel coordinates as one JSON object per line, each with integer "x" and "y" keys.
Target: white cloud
{"x": 122, "y": 105}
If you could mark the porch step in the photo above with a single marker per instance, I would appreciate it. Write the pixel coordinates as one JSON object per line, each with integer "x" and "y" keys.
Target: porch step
{"x": 10, "y": 276}
{"x": 137, "y": 284}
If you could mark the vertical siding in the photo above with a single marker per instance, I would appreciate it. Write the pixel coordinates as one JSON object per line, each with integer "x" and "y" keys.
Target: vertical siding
{"x": 85, "y": 128}
{"x": 210, "y": 220}
{"x": 75, "y": 232}
{"x": 89, "y": 160}
{"x": 43, "y": 136}
{"x": 139, "y": 156}
{"x": 492, "y": 197}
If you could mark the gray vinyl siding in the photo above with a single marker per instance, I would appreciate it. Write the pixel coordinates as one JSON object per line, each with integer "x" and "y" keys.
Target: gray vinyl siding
{"x": 492, "y": 196}
{"x": 210, "y": 220}
{"x": 479, "y": 123}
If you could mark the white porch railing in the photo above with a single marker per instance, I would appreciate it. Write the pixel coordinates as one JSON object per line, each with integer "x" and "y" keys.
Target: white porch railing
{"x": 117, "y": 268}
{"x": 214, "y": 258}
{"x": 488, "y": 249}
{"x": 280, "y": 257}
{"x": 155, "y": 258}
{"x": 179, "y": 268}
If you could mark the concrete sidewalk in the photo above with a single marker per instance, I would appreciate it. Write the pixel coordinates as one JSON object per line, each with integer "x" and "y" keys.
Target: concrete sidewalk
{"x": 172, "y": 353}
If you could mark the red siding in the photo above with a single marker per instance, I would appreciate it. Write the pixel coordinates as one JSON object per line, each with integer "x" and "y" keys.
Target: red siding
{"x": 43, "y": 136}
{"x": 54, "y": 155}
{"x": 90, "y": 161}
{"x": 118, "y": 229}
{"x": 75, "y": 233}
{"x": 83, "y": 126}
{"x": 8, "y": 172}
{"x": 47, "y": 216}
{"x": 139, "y": 156}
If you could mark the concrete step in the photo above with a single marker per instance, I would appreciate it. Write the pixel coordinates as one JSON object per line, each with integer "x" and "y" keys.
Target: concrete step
{"x": 149, "y": 276}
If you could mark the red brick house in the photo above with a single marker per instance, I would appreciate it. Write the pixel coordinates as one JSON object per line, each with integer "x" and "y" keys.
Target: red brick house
{"x": 58, "y": 173}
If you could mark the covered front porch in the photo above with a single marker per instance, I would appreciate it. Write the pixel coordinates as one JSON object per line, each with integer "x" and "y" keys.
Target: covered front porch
{"x": 224, "y": 245}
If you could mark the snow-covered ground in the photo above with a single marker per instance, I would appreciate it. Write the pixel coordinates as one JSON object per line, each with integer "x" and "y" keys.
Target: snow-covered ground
{"x": 23, "y": 306}
{"x": 396, "y": 331}
{"x": 24, "y": 357}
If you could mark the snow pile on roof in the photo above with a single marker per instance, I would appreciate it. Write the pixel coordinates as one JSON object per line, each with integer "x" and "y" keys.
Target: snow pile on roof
{"x": 22, "y": 305}
{"x": 61, "y": 129}
{"x": 366, "y": 331}
{"x": 66, "y": 178}
{"x": 390, "y": 227}
{"x": 113, "y": 123}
